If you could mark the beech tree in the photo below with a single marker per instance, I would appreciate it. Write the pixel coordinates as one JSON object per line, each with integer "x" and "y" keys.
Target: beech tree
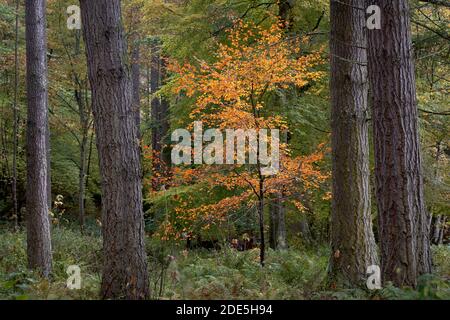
{"x": 352, "y": 240}
{"x": 403, "y": 220}
{"x": 39, "y": 248}
{"x": 125, "y": 265}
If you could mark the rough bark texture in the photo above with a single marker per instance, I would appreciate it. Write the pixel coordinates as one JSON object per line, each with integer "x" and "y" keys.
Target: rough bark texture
{"x": 352, "y": 240}
{"x": 125, "y": 266}
{"x": 135, "y": 64}
{"x": 136, "y": 75}
{"x": 403, "y": 220}
{"x": 39, "y": 248}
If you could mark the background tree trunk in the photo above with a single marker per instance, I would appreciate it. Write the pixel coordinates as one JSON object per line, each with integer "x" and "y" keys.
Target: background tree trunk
{"x": 15, "y": 118}
{"x": 135, "y": 64}
{"x": 39, "y": 249}
{"x": 277, "y": 226}
{"x": 125, "y": 267}
{"x": 159, "y": 114}
{"x": 352, "y": 240}
{"x": 403, "y": 220}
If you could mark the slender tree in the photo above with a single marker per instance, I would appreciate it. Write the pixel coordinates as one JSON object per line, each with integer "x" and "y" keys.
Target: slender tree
{"x": 39, "y": 247}
{"x": 135, "y": 48}
{"x": 159, "y": 113}
{"x": 352, "y": 240}
{"x": 277, "y": 208}
{"x": 125, "y": 265}
{"x": 15, "y": 117}
{"x": 403, "y": 221}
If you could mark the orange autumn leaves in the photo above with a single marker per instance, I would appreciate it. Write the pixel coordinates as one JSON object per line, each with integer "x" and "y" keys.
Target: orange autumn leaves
{"x": 231, "y": 93}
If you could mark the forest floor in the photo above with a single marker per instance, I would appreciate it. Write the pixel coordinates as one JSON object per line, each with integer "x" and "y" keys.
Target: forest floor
{"x": 298, "y": 273}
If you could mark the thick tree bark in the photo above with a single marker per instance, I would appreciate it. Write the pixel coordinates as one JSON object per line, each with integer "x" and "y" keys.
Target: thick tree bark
{"x": 48, "y": 155}
{"x": 136, "y": 79}
{"x": 125, "y": 266}
{"x": 39, "y": 249}
{"x": 403, "y": 220}
{"x": 135, "y": 65}
{"x": 352, "y": 239}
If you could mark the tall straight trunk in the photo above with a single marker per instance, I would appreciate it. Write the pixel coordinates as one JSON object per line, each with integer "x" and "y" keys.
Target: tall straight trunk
{"x": 352, "y": 239}
{"x": 15, "y": 118}
{"x": 136, "y": 75}
{"x": 159, "y": 113}
{"x": 134, "y": 17}
{"x": 277, "y": 208}
{"x": 155, "y": 76}
{"x": 403, "y": 220}
{"x": 82, "y": 181}
{"x": 48, "y": 156}
{"x": 84, "y": 122}
{"x": 262, "y": 246}
{"x": 39, "y": 248}
{"x": 125, "y": 261}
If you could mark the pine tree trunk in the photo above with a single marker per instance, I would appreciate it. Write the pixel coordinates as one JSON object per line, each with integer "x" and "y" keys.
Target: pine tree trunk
{"x": 352, "y": 240}
{"x": 125, "y": 266}
{"x": 136, "y": 75}
{"x": 403, "y": 220}
{"x": 39, "y": 248}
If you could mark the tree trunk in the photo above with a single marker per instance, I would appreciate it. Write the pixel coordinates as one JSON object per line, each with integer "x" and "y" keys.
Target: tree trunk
{"x": 403, "y": 220}
{"x": 352, "y": 239}
{"x": 262, "y": 246}
{"x": 136, "y": 75}
{"x": 159, "y": 115}
{"x": 48, "y": 155}
{"x": 84, "y": 122}
{"x": 84, "y": 114}
{"x": 438, "y": 229}
{"x": 15, "y": 119}
{"x": 442, "y": 230}
{"x": 273, "y": 219}
{"x": 125, "y": 265}
{"x": 135, "y": 65}
{"x": 39, "y": 248}
{"x": 277, "y": 227}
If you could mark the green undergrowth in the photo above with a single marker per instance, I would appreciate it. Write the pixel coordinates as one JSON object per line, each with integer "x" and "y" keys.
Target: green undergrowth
{"x": 175, "y": 273}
